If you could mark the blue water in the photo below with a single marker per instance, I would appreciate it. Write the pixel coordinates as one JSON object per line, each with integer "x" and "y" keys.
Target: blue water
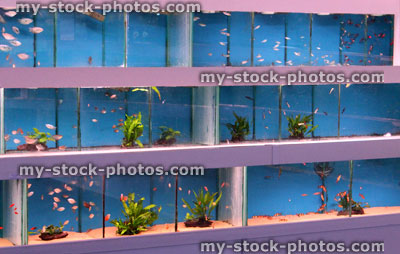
{"x": 280, "y": 39}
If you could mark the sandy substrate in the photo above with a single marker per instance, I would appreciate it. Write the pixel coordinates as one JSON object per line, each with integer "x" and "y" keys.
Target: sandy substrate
{"x": 157, "y": 229}
{"x": 72, "y": 236}
{"x": 262, "y": 220}
{"x": 111, "y": 232}
{"x": 5, "y": 243}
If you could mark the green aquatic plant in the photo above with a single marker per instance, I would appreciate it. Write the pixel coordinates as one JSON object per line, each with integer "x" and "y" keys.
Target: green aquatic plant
{"x": 133, "y": 130}
{"x": 137, "y": 217}
{"x": 40, "y": 137}
{"x": 346, "y": 205}
{"x": 168, "y": 136}
{"x": 240, "y": 129}
{"x": 300, "y": 126}
{"x": 200, "y": 213}
{"x": 147, "y": 89}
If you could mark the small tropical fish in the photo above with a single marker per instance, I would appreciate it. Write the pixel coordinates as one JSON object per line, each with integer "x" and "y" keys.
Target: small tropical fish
{"x": 57, "y": 137}
{"x": 107, "y": 217}
{"x": 338, "y": 178}
{"x": 50, "y": 127}
{"x": 257, "y": 27}
{"x": 57, "y": 190}
{"x": 74, "y": 207}
{"x": 87, "y": 205}
{"x": 344, "y": 109}
{"x": 15, "y": 43}
{"x": 331, "y": 90}
{"x": 8, "y": 37}
{"x": 297, "y": 53}
{"x": 10, "y": 13}
{"x": 321, "y": 208}
{"x": 222, "y": 43}
{"x": 154, "y": 189}
{"x": 362, "y": 196}
{"x": 71, "y": 201}
{"x": 91, "y": 216}
{"x": 205, "y": 188}
{"x": 23, "y": 56}
{"x": 51, "y": 193}
{"x": 304, "y": 195}
{"x": 244, "y": 62}
{"x": 56, "y": 199}
{"x": 33, "y": 228}
{"x": 91, "y": 184}
{"x": 90, "y": 60}
{"x": 169, "y": 185}
{"x": 322, "y": 197}
{"x": 317, "y": 193}
{"x": 41, "y": 197}
{"x": 11, "y": 205}
{"x": 188, "y": 192}
{"x": 60, "y": 209}
{"x": 36, "y": 30}
{"x": 202, "y": 25}
{"x": 66, "y": 222}
{"x": 113, "y": 96}
{"x": 7, "y": 138}
{"x": 5, "y": 48}
{"x": 25, "y": 21}
{"x": 196, "y": 18}
{"x": 180, "y": 189}
{"x": 16, "y": 141}
{"x": 30, "y": 194}
{"x": 15, "y": 29}
{"x": 316, "y": 110}
{"x": 288, "y": 105}
{"x": 249, "y": 98}
{"x": 264, "y": 41}
{"x": 94, "y": 120}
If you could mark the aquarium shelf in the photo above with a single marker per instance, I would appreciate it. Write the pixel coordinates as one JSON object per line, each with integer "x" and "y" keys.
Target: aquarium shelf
{"x": 313, "y": 6}
{"x": 374, "y": 228}
{"x": 160, "y": 76}
{"x": 227, "y": 155}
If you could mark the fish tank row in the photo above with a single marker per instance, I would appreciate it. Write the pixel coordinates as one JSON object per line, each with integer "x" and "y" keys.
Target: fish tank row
{"x": 82, "y": 208}
{"x": 215, "y": 39}
{"x": 118, "y": 118}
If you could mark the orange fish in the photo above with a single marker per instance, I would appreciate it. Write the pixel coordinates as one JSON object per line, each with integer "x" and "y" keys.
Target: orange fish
{"x": 323, "y": 188}
{"x": 222, "y": 185}
{"x": 33, "y": 228}
{"x": 205, "y": 187}
{"x": 338, "y": 178}
{"x": 12, "y": 205}
{"x": 317, "y": 193}
{"x": 321, "y": 208}
{"x": 1, "y": 228}
{"x": 86, "y": 204}
{"x": 154, "y": 189}
{"x": 322, "y": 197}
{"x": 304, "y": 195}
{"x": 107, "y": 217}
{"x": 362, "y": 196}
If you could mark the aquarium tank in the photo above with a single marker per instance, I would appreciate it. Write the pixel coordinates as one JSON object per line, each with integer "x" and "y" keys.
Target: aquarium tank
{"x": 78, "y": 120}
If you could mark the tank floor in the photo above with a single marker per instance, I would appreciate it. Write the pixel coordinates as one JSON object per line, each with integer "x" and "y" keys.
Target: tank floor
{"x": 5, "y": 243}
{"x": 111, "y": 232}
{"x": 263, "y": 220}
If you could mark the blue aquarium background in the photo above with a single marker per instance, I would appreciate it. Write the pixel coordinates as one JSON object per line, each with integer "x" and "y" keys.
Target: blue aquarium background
{"x": 88, "y": 118}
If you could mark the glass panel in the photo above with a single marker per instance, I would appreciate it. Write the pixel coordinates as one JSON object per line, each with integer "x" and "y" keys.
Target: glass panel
{"x": 11, "y": 213}
{"x": 295, "y": 192}
{"x": 375, "y": 187}
{"x": 375, "y": 112}
{"x": 43, "y": 111}
{"x": 154, "y": 190}
{"x": 226, "y": 212}
{"x": 72, "y": 203}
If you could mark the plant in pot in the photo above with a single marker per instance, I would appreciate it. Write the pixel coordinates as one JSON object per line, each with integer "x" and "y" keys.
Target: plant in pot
{"x": 200, "y": 213}
{"x": 137, "y": 217}
{"x": 346, "y": 205}
{"x": 168, "y": 136}
{"x": 133, "y": 130}
{"x": 300, "y": 126}
{"x": 240, "y": 129}
{"x": 37, "y": 141}
{"x": 51, "y": 232}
